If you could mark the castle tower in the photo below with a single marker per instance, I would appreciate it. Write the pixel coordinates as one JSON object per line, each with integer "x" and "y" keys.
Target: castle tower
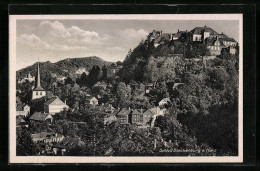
{"x": 38, "y": 91}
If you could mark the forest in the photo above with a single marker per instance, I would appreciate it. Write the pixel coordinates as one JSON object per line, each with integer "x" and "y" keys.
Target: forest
{"x": 203, "y": 113}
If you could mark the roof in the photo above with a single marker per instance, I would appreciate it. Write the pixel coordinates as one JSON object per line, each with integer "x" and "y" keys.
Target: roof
{"x": 39, "y": 116}
{"x": 68, "y": 141}
{"x": 152, "y": 111}
{"x": 138, "y": 112}
{"x": 56, "y": 100}
{"x": 227, "y": 39}
{"x": 176, "y": 85}
{"x": 115, "y": 111}
{"x": 166, "y": 100}
{"x": 41, "y": 135}
{"x": 178, "y": 34}
{"x": 91, "y": 98}
{"x": 19, "y": 107}
{"x": 38, "y": 89}
{"x": 199, "y": 30}
{"x": 211, "y": 41}
{"x": 124, "y": 112}
{"x": 20, "y": 120}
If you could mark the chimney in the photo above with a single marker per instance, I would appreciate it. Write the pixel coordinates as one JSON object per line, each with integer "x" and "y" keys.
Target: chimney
{"x": 186, "y": 31}
{"x": 141, "y": 110}
{"x": 161, "y": 33}
{"x": 222, "y": 33}
{"x": 178, "y": 30}
{"x": 155, "y": 143}
{"x": 56, "y": 134}
{"x": 65, "y": 101}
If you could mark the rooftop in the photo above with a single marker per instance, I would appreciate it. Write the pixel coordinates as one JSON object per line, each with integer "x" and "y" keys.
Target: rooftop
{"x": 39, "y": 116}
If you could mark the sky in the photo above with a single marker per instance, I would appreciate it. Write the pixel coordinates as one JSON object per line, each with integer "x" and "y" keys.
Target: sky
{"x": 55, "y": 40}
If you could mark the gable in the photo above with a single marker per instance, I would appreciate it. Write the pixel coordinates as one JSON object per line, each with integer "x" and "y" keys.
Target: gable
{"x": 58, "y": 102}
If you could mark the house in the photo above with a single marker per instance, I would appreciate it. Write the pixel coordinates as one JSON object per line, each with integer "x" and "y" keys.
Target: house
{"x": 201, "y": 33}
{"x": 150, "y": 114}
{"x": 46, "y": 137}
{"x": 148, "y": 88}
{"x": 23, "y": 110}
{"x": 92, "y": 100}
{"x": 54, "y": 105}
{"x": 20, "y": 122}
{"x": 108, "y": 119}
{"x": 67, "y": 143}
{"x": 123, "y": 116}
{"x": 41, "y": 117}
{"x": 214, "y": 45}
{"x": 61, "y": 79}
{"x": 164, "y": 102}
{"x": 227, "y": 41}
{"x": 28, "y": 77}
{"x": 137, "y": 116}
{"x": 38, "y": 91}
{"x": 230, "y": 49}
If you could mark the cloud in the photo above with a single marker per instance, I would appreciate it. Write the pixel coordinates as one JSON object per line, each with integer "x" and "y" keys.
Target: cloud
{"x": 132, "y": 33}
{"x": 116, "y": 48}
{"x": 32, "y": 41}
{"x": 55, "y": 29}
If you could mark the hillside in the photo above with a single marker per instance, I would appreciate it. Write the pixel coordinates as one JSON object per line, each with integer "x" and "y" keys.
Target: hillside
{"x": 63, "y": 67}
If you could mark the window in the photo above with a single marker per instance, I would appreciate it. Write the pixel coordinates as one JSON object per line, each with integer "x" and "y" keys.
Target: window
{"x": 37, "y": 93}
{"x": 40, "y": 93}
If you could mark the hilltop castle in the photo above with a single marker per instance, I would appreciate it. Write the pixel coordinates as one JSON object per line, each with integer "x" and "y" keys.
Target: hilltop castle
{"x": 215, "y": 42}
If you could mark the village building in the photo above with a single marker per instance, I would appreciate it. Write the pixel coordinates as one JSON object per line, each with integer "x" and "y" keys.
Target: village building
{"x": 38, "y": 91}
{"x": 150, "y": 114}
{"x": 80, "y": 71}
{"x": 138, "y": 117}
{"x": 20, "y": 122}
{"x": 23, "y": 110}
{"x": 67, "y": 143}
{"x": 46, "y": 137}
{"x": 214, "y": 45}
{"x": 164, "y": 101}
{"x": 123, "y": 116}
{"x": 55, "y": 105}
{"x": 92, "y": 100}
{"x": 28, "y": 77}
{"x": 108, "y": 119}
{"x": 41, "y": 117}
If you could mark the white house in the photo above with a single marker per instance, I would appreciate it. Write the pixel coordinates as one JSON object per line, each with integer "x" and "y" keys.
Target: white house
{"x": 54, "y": 105}
{"x": 23, "y": 111}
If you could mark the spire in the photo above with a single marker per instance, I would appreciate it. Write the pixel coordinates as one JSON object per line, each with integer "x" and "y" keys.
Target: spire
{"x": 38, "y": 76}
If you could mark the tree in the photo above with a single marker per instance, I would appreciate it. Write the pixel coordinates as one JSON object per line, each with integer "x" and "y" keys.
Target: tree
{"x": 123, "y": 94}
{"x": 24, "y": 143}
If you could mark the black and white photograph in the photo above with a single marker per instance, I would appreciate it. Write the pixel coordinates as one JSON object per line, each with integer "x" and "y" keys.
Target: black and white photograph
{"x": 126, "y": 88}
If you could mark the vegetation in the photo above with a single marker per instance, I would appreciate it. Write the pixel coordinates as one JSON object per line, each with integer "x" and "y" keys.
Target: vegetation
{"x": 203, "y": 113}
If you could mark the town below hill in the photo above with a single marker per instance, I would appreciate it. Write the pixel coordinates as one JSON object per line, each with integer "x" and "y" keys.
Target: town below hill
{"x": 173, "y": 91}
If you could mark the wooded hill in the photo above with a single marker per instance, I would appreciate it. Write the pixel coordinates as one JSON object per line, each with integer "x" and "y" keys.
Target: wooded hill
{"x": 63, "y": 67}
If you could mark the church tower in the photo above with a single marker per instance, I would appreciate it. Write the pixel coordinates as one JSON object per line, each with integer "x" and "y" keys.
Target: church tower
{"x": 38, "y": 91}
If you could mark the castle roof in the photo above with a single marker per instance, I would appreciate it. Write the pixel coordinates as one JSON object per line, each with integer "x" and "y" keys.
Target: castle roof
{"x": 200, "y": 30}
{"x": 211, "y": 41}
{"x": 227, "y": 39}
